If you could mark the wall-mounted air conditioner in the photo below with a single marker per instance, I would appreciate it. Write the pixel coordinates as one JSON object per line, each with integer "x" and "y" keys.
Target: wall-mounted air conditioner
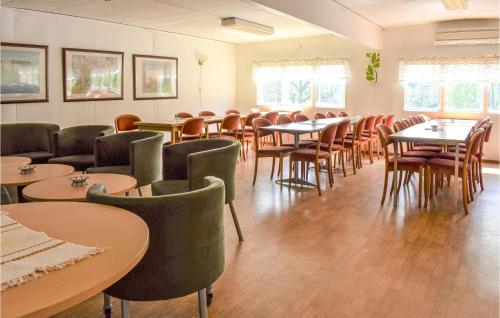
{"x": 467, "y": 32}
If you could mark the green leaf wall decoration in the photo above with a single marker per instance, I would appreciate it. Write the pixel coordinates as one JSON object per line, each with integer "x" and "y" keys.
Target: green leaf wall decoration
{"x": 371, "y": 73}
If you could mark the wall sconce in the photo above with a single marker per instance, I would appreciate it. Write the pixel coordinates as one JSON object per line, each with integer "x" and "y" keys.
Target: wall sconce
{"x": 202, "y": 59}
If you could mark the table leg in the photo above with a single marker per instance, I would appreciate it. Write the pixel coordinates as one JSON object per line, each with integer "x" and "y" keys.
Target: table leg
{"x": 296, "y": 180}
{"x": 395, "y": 173}
{"x": 173, "y": 131}
{"x": 457, "y": 162}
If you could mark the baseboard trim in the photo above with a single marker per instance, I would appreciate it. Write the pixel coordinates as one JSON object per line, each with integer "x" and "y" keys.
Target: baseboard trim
{"x": 491, "y": 161}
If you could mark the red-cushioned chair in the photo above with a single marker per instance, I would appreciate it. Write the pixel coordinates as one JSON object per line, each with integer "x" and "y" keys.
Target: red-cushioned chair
{"x": 232, "y": 111}
{"x": 192, "y": 129}
{"x": 322, "y": 151}
{"x": 319, "y": 116}
{"x": 408, "y": 164}
{"x": 245, "y": 134}
{"x": 331, "y": 115}
{"x": 206, "y": 113}
{"x": 229, "y": 129}
{"x": 274, "y": 151}
{"x": 183, "y": 115}
{"x": 126, "y": 122}
{"x": 292, "y": 114}
{"x": 437, "y": 167}
{"x": 272, "y": 117}
{"x": 353, "y": 142}
{"x": 343, "y": 114}
{"x": 282, "y": 120}
{"x": 389, "y": 119}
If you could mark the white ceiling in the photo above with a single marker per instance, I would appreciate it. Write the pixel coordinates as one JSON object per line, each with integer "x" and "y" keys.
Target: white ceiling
{"x": 194, "y": 17}
{"x": 391, "y": 13}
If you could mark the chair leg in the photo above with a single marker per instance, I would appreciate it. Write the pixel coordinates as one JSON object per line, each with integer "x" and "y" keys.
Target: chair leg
{"x": 140, "y": 191}
{"x": 202, "y": 303}
{"x": 471, "y": 181}
{"x": 107, "y": 307}
{"x": 427, "y": 186}
{"x": 343, "y": 162}
{"x": 235, "y": 219}
{"x": 125, "y": 309}
{"x": 386, "y": 177}
{"x": 330, "y": 174}
{"x": 480, "y": 173}
{"x": 280, "y": 168}
{"x": 370, "y": 149}
{"x": 353, "y": 160}
{"x": 316, "y": 172}
{"x": 420, "y": 187}
{"x": 272, "y": 168}
{"x": 255, "y": 170}
{"x": 290, "y": 173}
{"x": 464, "y": 192}
{"x": 399, "y": 182}
{"x": 474, "y": 176}
{"x": 210, "y": 295}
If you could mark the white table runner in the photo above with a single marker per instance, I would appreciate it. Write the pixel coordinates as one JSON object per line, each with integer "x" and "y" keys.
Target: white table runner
{"x": 28, "y": 254}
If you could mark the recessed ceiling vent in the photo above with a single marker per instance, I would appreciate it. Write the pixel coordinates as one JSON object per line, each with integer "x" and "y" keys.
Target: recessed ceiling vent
{"x": 246, "y": 26}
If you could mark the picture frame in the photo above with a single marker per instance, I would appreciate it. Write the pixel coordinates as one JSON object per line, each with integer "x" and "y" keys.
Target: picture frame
{"x": 24, "y": 73}
{"x": 92, "y": 75}
{"x": 155, "y": 77}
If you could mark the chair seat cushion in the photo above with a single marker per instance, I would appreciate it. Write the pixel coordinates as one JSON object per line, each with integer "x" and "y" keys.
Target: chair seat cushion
{"x": 422, "y": 154}
{"x": 126, "y": 170}
{"x": 324, "y": 147}
{"x": 275, "y": 150}
{"x": 460, "y": 150}
{"x": 190, "y": 137}
{"x": 79, "y": 162}
{"x": 36, "y": 156}
{"x": 247, "y": 134}
{"x": 408, "y": 162}
{"x": 451, "y": 156}
{"x": 445, "y": 164}
{"x": 302, "y": 144}
{"x": 427, "y": 148}
{"x": 308, "y": 154}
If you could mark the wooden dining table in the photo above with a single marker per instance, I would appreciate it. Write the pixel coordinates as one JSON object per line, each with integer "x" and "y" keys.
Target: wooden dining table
{"x": 60, "y": 189}
{"x": 9, "y": 161}
{"x": 449, "y": 132}
{"x": 124, "y": 235}
{"x": 11, "y": 176}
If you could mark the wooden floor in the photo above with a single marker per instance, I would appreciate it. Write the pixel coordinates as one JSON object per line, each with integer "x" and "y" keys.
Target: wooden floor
{"x": 343, "y": 255}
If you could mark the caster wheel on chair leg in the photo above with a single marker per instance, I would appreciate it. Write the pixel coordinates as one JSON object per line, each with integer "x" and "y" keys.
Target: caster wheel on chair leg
{"x": 107, "y": 313}
{"x": 210, "y": 295}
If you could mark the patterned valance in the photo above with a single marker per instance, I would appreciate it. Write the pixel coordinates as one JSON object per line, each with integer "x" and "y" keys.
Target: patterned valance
{"x": 302, "y": 62}
{"x": 478, "y": 68}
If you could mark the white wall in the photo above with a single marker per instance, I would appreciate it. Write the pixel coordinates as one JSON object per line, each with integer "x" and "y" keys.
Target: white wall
{"x": 58, "y": 31}
{"x": 362, "y": 97}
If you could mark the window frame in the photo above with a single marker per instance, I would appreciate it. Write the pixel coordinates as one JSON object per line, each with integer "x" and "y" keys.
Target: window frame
{"x": 487, "y": 94}
{"x": 481, "y": 98}
{"x": 433, "y": 110}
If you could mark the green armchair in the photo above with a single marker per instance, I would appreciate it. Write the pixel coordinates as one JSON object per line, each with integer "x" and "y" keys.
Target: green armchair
{"x": 186, "y": 243}
{"x": 194, "y": 160}
{"x": 74, "y": 146}
{"x": 134, "y": 153}
{"x": 32, "y": 140}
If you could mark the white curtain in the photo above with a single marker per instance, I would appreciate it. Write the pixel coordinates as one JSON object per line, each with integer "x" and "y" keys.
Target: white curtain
{"x": 485, "y": 68}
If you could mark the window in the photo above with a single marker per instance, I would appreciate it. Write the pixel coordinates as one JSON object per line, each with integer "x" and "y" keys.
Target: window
{"x": 451, "y": 84}
{"x": 301, "y": 83}
{"x": 494, "y": 97}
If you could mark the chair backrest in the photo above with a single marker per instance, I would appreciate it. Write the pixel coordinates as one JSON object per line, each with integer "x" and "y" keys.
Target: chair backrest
{"x": 318, "y": 115}
{"x": 5, "y": 196}
{"x": 370, "y": 124}
{"x": 343, "y": 114}
{"x": 232, "y": 111}
{"x": 414, "y": 120}
{"x": 186, "y": 241}
{"x": 78, "y": 140}
{"x": 300, "y": 117}
{"x": 421, "y": 118}
{"x": 259, "y": 133}
{"x": 378, "y": 120}
{"x": 250, "y": 117}
{"x": 272, "y": 117}
{"x": 342, "y": 130}
{"x": 182, "y": 115}
{"x": 231, "y": 122}
{"x": 126, "y": 122}
{"x": 331, "y": 115}
{"x": 359, "y": 128}
{"x": 473, "y": 145}
{"x": 407, "y": 123}
{"x": 206, "y": 113}
{"x": 292, "y": 114}
{"x": 142, "y": 150}
{"x": 384, "y": 132}
{"x": 284, "y": 119}
{"x": 327, "y": 137}
{"x": 193, "y": 127}
{"x": 488, "y": 132}
{"x": 26, "y": 137}
{"x": 398, "y": 126}
{"x": 196, "y": 159}
{"x": 389, "y": 119}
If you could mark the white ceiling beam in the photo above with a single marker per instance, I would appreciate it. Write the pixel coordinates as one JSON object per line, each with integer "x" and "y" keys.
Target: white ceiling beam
{"x": 331, "y": 16}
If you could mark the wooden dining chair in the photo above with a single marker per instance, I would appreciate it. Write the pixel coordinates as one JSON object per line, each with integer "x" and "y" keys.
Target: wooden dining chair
{"x": 126, "y": 122}
{"x": 343, "y": 114}
{"x": 322, "y": 152}
{"x": 282, "y": 137}
{"x": 272, "y": 117}
{"x": 439, "y": 166}
{"x": 367, "y": 138}
{"x": 245, "y": 134}
{"x": 409, "y": 164}
{"x": 318, "y": 115}
{"x": 331, "y": 115}
{"x": 232, "y": 111}
{"x": 389, "y": 119}
{"x": 192, "y": 129}
{"x": 292, "y": 114}
{"x": 182, "y": 115}
{"x": 353, "y": 142}
{"x": 208, "y": 113}
{"x": 229, "y": 128}
{"x": 375, "y": 139}
{"x": 274, "y": 151}
{"x": 300, "y": 117}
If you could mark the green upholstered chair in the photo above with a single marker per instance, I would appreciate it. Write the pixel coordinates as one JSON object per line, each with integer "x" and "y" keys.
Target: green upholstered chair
{"x": 74, "y": 146}
{"x": 194, "y": 160}
{"x": 5, "y": 198}
{"x": 134, "y": 153}
{"x": 186, "y": 243}
{"x": 31, "y": 140}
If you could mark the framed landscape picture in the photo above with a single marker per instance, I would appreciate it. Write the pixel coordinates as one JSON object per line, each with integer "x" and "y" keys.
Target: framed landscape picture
{"x": 155, "y": 77}
{"x": 92, "y": 75}
{"x": 23, "y": 73}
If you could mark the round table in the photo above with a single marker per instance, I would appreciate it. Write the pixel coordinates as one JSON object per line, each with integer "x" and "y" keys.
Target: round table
{"x": 60, "y": 189}
{"x": 9, "y": 161}
{"x": 125, "y": 235}
{"x": 10, "y": 176}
